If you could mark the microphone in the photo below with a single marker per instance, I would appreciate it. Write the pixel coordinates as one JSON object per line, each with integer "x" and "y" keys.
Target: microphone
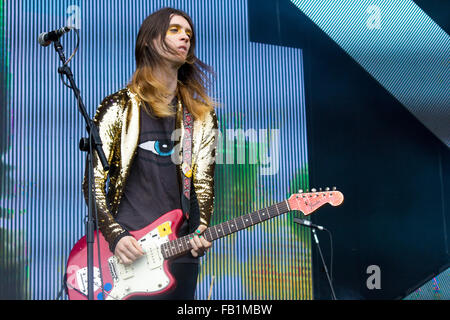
{"x": 308, "y": 223}
{"x": 46, "y": 38}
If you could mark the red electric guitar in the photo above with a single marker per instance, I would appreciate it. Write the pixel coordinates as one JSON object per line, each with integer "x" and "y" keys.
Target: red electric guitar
{"x": 149, "y": 275}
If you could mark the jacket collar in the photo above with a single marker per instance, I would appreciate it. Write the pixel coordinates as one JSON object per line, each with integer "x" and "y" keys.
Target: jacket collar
{"x": 130, "y": 131}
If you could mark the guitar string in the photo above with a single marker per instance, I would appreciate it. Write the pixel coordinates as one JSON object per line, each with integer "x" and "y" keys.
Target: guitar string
{"x": 271, "y": 211}
{"x": 173, "y": 247}
{"x": 239, "y": 222}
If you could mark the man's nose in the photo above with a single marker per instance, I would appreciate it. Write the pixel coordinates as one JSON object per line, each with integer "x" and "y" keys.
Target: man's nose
{"x": 184, "y": 36}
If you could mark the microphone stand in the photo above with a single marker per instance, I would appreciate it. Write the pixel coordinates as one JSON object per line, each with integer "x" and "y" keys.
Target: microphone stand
{"x": 86, "y": 145}
{"x": 316, "y": 240}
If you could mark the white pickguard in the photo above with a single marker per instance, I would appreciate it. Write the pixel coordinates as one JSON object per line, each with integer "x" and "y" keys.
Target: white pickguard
{"x": 144, "y": 275}
{"x": 83, "y": 282}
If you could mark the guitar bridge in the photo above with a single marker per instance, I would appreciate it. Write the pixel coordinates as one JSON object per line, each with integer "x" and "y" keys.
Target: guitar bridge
{"x": 112, "y": 269}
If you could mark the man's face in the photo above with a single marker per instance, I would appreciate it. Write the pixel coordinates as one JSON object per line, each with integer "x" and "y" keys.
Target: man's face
{"x": 178, "y": 38}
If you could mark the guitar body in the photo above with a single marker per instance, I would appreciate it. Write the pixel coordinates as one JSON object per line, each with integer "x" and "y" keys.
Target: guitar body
{"x": 147, "y": 276}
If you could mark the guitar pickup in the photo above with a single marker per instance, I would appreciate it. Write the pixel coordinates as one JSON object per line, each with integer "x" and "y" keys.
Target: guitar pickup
{"x": 120, "y": 270}
{"x": 128, "y": 272}
{"x": 153, "y": 259}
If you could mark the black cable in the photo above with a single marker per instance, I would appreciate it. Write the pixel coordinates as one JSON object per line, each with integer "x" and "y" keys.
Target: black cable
{"x": 331, "y": 249}
{"x": 70, "y": 58}
{"x": 77, "y": 290}
{"x": 62, "y": 288}
{"x": 324, "y": 264}
{"x": 91, "y": 172}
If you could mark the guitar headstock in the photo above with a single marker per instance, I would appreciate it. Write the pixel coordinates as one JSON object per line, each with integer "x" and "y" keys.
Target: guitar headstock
{"x": 311, "y": 201}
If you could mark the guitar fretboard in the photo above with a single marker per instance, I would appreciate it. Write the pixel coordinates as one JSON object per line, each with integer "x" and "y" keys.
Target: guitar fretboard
{"x": 182, "y": 245}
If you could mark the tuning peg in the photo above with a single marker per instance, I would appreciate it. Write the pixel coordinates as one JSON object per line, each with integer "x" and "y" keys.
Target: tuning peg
{"x": 313, "y": 190}
{"x": 320, "y": 189}
{"x": 327, "y": 189}
{"x": 334, "y": 188}
{"x": 300, "y": 191}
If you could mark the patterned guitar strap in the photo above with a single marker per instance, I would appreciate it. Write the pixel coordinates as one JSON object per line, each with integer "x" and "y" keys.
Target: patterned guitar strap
{"x": 186, "y": 166}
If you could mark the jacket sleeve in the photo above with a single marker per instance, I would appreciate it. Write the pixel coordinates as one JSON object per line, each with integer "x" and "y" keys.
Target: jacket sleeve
{"x": 203, "y": 177}
{"x": 107, "y": 120}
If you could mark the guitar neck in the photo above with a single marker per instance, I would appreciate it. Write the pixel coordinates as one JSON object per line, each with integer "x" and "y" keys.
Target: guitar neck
{"x": 181, "y": 245}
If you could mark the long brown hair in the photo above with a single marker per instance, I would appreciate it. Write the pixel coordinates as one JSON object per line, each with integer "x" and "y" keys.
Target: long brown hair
{"x": 193, "y": 76}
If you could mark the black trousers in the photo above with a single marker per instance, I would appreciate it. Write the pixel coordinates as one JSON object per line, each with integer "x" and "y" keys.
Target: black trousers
{"x": 186, "y": 277}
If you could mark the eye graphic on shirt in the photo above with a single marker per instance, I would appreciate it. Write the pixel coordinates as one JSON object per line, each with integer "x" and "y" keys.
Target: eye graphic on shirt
{"x": 163, "y": 148}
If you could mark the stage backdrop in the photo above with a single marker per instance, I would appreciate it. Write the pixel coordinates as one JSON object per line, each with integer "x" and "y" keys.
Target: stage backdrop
{"x": 262, "y": 155}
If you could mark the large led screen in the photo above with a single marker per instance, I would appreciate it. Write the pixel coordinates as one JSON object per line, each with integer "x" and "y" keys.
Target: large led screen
{"x": 262, "y": 157}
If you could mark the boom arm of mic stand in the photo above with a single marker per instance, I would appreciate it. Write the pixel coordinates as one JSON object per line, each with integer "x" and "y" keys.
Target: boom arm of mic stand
{"x": 90, "y": 126}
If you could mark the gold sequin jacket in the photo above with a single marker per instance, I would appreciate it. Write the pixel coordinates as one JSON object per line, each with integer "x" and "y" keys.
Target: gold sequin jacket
{"x": 118, "y": 123}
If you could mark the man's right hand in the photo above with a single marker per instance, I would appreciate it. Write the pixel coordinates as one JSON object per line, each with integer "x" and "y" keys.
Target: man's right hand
{"x": 128, "y": 250}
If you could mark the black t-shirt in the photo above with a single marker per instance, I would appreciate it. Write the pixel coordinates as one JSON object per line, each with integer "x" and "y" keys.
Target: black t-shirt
{"x": 152, "y": 188}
